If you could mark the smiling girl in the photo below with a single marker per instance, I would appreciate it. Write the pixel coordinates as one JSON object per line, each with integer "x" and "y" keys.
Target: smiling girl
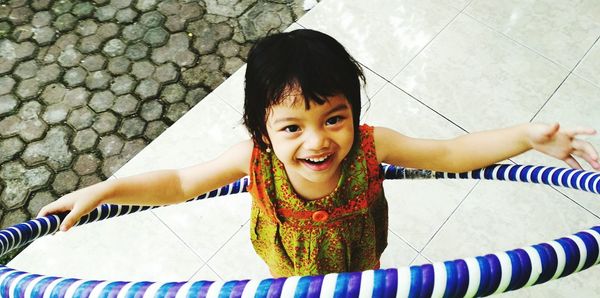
{"x": 318, "y": 204}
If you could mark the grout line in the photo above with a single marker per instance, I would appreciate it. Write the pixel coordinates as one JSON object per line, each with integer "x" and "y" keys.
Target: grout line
{"x": 225, "y": 243}
{"x": 449, "y": 216}
{"x": 177, "y": 235}
{"x": 427, "y": 44}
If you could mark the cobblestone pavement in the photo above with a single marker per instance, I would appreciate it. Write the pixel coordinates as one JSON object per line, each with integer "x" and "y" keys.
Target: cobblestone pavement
{"x": 85, "y": 85}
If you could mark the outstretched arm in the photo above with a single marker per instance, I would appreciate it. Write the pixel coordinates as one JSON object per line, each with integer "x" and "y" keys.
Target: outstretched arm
{"x": 477, "y": 150}
{"x": 155, "y": 188}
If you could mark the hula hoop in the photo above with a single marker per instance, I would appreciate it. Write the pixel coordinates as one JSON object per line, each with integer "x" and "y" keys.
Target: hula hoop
{"x": 476, "y": 276}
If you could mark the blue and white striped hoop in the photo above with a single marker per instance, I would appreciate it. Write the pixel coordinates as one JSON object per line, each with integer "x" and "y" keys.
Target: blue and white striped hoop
{"x": 477, "y": 276}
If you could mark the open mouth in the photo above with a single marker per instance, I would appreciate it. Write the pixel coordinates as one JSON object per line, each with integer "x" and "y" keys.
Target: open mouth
{"x": 318, "y": 164}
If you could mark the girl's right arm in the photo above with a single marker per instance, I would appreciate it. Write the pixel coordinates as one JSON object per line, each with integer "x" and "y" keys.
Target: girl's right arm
{"x": 155, "y": 188}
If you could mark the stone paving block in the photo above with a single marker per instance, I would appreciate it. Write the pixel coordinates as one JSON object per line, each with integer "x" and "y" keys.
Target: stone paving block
{"x": 173, "y": 93}
{"x": 166, "y": 73}
{"x": 125, "y": 105}
{"x": 74, "y": 76}
{"x": 93, "y": 62}
{"x": 76, "y": 97}
{"x": 87, "y": 27}
{"x": 134, "y": 32}
{"x": 88, "y": 180}
{"x": 64, "y": 182}
{"x": 102, "y": 101}
{"x": 105, "y": 13}
{"x": 85, "y": 139}
{"x": 9, "y": 148}
{"x": 20, "y": 15}
{"x": 90, "y": 43}
{"x": 14, "y": 216}
{"x": 36, "y": 203}
{"x": 48, "y": 73}
{"x": 151, "y": 110}
{"x": 44, "y": 36}
{"x": 22, "y": 33}
{"x": 123, "y": 84}
{"x": 83, "y": 10}
{"x": 176, "y": 50}
{"x": 65, "y": 22}
{"x": 8, "y": 103}
{"x": 61, "y": 7}
{"x": 264, "y": 17}
{"x": 26, "y": 70}
{"x": 126, "y": 16}
{"x": 41, "y": 19}
{"x": 86, "y": 164}
{"x": 110, "y": 145}
{"x": 142, "y": 69}
{"x": 28, "y": 89}
{"x": 152, "y": 19}
{"x": 156, "y": 37}
{"x": 154, "y": 129}
{"x": 40, "y": 4}
{"x": 114, "y": 47}
{"x": 81, "y": 118}
{"x": 105, "y": 122}
{"x": 132, "y": 127}
{"x": 108, "y": 30}
{"x": 19, "y": 181}
{"x": 98, "y": 80}
{"x": 53, "y": 93}
{"x": 137, "y": 51}
{"x": 176, "y": 110}
{"x": 118, "y": 65}
{"x": 55, "y": 113}
{"x": 70, "y": 56}
{"x": 195, "y": 95}
{"x": 53, "y": 149}
{"x": 145, "y": 5}
{"x": 6, "y": 85}
{"x": 147, "y": 88}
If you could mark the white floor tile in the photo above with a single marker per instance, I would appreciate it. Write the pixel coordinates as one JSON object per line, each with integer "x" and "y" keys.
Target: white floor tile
{"x": 384, "y": 35}
{"x": 132, "y": 247}
{"x": 206, "y": 273}
{"x": 589, "y": 68}
{"x": 208, "y": 224}
{"x": 397, "y": 254}
{"x": 238, "y": 260}
{"x": 480, "y": 79}
{"x": 498, "y": 216}
{"x": 561, "y": 31}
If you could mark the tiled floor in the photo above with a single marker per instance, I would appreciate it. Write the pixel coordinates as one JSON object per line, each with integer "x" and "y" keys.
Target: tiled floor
{"x": 436, "y": 69}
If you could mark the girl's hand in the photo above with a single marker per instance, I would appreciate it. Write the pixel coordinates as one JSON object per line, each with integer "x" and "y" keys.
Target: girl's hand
{"x": 79, "y": 203}
{"x": 563, "y": 144}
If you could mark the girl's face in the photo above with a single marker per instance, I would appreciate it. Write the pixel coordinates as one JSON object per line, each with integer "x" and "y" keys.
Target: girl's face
{"x": 311, "y": 143}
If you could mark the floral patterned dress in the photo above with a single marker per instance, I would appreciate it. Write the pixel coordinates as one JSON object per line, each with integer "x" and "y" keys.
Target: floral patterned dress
{"x": 344, "y": 231}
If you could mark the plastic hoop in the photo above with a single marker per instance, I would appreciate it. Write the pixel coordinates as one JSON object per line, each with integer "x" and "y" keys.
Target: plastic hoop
{"x": 477, "y": 276}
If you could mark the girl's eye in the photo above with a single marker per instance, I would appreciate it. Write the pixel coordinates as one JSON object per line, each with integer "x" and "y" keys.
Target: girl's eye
{"x": 334, "y": 120}
{"x": 291, "y": 128}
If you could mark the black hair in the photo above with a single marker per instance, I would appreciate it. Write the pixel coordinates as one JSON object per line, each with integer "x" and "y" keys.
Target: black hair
{"x": 306, "y": 60}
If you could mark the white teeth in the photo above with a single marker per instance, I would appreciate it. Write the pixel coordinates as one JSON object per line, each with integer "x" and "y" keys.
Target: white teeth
{"x": 318, "y": 159}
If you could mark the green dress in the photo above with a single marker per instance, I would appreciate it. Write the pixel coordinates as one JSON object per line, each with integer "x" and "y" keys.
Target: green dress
{"x": 342, "y": 232}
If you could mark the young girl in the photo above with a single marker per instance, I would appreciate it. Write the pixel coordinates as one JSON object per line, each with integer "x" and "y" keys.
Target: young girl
{"x": 317, "y": 200}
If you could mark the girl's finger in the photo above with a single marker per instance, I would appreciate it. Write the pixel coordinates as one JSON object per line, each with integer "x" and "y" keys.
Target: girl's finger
{"x": 586, "y": 147}
{"x": 580, "y": 131}
{"x": 588, "y": 158}
{"x": 572, "y": 162}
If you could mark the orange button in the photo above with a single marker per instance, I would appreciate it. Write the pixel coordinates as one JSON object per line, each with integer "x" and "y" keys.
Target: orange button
{"x": 320, "y": 216}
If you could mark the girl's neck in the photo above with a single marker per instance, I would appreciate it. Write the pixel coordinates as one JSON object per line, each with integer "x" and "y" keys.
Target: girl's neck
{"x": 309, "y": 190}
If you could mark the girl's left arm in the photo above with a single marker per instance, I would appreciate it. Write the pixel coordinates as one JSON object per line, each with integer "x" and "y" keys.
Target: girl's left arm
{"x": 477, "y": 150}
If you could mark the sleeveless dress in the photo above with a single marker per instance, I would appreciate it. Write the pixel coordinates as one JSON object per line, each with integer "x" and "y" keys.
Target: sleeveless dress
{"x": 342, "y": 232}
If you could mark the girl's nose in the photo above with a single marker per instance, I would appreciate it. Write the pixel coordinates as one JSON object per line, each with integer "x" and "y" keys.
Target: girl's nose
{"x": 316, "y": 140}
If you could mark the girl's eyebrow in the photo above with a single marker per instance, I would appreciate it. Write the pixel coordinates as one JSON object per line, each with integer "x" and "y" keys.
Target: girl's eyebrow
{"x": 339, "y": 107}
